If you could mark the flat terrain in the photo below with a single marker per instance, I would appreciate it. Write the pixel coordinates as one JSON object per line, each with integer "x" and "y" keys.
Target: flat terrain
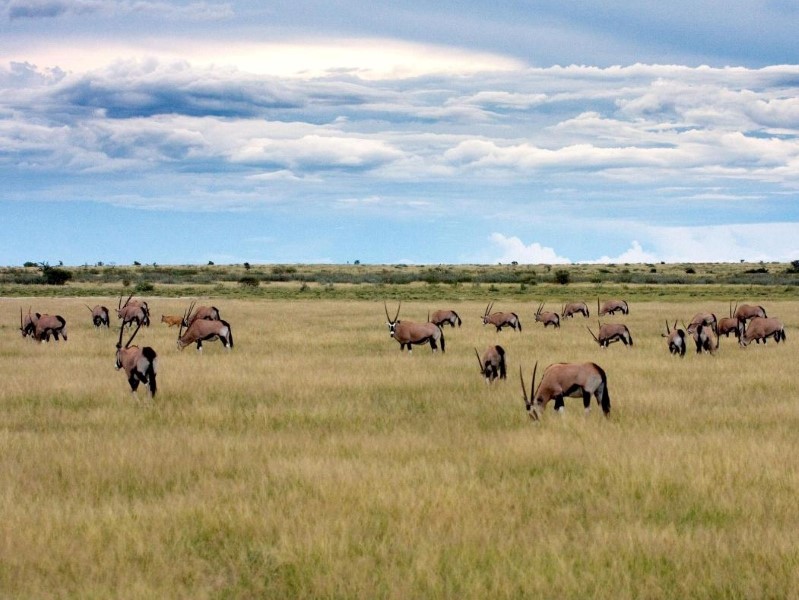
{"x": 316, "y": 460}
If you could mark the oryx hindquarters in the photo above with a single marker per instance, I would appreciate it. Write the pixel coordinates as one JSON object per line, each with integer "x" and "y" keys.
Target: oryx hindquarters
{"x": 492, "y": 363}
{"x": 676, "y": 340}
{"x": 100, "y": 316}
{"x": 140, "y": 364}
{"x": 705, "y": 339}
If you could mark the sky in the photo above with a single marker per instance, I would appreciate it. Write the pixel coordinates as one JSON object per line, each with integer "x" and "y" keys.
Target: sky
{"x": 419, "y": 132}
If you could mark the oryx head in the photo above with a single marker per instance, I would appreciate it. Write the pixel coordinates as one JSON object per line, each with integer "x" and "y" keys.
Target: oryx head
{"x": 487, "y": 312}
{"x": 392, "y": 323}
{"x": 184, "y": 324}
{"x": 532, "y": 405}
{"x": 118, "y": 363}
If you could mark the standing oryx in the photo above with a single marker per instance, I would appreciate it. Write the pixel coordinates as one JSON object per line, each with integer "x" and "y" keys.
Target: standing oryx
{"x": 492, "y": 364}
{"x": 408, "y": 333}
{"x": 99, "y": 316}
{"x": 202, "y": 330}
{"x": 611, "y": 307}
{"x": 705, "y": 339}
{"x": 676, "y": 339}
{"x": 546, "y": 317}
{"x": 762, "y": 328}
{"x": 140, "y": 364}
{"x": 612, "y": 332}
{"x": 704, "y": 318}
{"x": 41, "y": 327}
{"x": 728, "y": 325}
{"x": 744, "y": 312}
{"x": 572, "y": 308}
{"x": 133, "y": 311}
{"x": 567, "y": 380}
{"x": 501, "y": 319}
{"x": 442, "y": 317}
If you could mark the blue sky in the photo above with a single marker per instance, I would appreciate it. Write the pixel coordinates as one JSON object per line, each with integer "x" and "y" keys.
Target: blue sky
{"x": 416, "y": 132}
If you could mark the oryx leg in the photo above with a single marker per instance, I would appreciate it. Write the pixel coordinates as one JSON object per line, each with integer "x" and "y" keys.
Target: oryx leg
{"x": 559, "y": 406}
{"x": 587, "y": 401}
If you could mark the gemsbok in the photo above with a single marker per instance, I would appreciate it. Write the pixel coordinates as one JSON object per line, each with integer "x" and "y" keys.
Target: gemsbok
{"x": 572, "y": 308}
{"x": 133, "y": 311}
{"x": 202, "y": 330}
{"x": 408, "y": 333}
{"x": 99, "y": 316}
{"x": 572, "y": 380}
{"x": 706, "y": 319}
{"x": 611, "y": 307}
{"x": 209, "y": 313}
{"x": 41, "y": 327}
{"x": 546, "y": 317}
{"x": 744, "y": 312}
{"x": 492, "y": 363}
{"x": 140, "y": 364}
{"x": 444, "y": 317}
{"x": 612, "y": 332}
{"x": 762, "y": 328}
{"x": 501, "y": 319}
{"x": 728, "y": 325}
{"x": 676, "y": 339}
{"x": 705, "y": 339}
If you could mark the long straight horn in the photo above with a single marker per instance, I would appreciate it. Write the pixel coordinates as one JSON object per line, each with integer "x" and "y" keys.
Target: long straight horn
{"x": 592, "y": 334}
{"x": 89, "y": 307}
{"x": 20, "y": 319}
{"x": 597, "y": 305}
{"x": 488, "y": 307}
{"x": 130, "y": 341}
{"x": 128, "y": 300}
{"x": 121, "y": 329}
{"x": 398, "y": 309}
{"x": 667, "y": 326}
{"x": 524, "y": 391}
{"x": 532, "y": 392}
{"x": 386, "y": 309}
{"x": 480, "y": 362}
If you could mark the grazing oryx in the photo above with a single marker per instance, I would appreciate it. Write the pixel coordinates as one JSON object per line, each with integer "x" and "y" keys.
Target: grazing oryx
{"x": 610, "y": 307}
{"x": 501, "y": 319}
{"x": 140, "y": 364}
{"x": 567, "y": 379}
{"x": 408, "y": 333}
{"x": 41, "y": 327}
{"x": 442, "y": 317}
{"x": 706, "y": 319}
{"x": 705, "y": 339}
{"x": 744, "y": 312}
{"x": 762, "y": 328}
{"x": 99, "y": 316}
{"x": 133, "y": 311}
{"x": 172, "y": 320}
{"x": 27, "y": 325}
{"x": 676, "y": 339}
{"x": 547, "y": 317}
{"x": 492, "y": 364}
{"x": 202, "y": 330}
{"x": 209, "y": 313}
{"x": 728, "y": 325}
{"x": 571, "y": 309}
{"x": 612, "y": 332}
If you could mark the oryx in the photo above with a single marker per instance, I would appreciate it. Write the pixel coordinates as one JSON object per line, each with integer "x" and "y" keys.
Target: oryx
{"x": 99, "y": 316}
{"x": 408, "y": 333}
{"x": 612, "y": 332}
{"x": 547, "y": 317}
{"x": 492, "y": 363}
{"x": 728, "y": 325}
{"x": 676, "y": 339}
{"x": 572, "y": 380}
{"x": 202, "y": 330}
{"x": 611, "y": 307}
{"x": 442, "y": 317}
{"x": 762, "y": 328}
{"x": 703, "y": 318}
{"x": 133, "y": 311}
{"x": 571, "y": 309}
{"x": 140, "y": 364}
{"x": 501, "y": 319}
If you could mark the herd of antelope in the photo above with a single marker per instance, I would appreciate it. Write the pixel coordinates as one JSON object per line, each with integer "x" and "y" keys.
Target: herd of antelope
{"x": 747, "y": 323}
{"x": 198, "y": 324}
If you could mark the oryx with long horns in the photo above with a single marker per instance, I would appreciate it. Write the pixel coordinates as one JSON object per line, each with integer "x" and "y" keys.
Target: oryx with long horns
{"x": 760, "y": 329}
{"x": 27, "y": 324}
{"x": 133, "y": 311}
{"x": 140, "y": 364}
{"x": 203, "y": 330}
{"x": 572, "y": 308}
{"x": 611, "y": 307}
{"x": 408, "y": 333}
{"x": 744, "y": 312}
{"x": 546, "y": 317}
{"x": 492, "y": 363}
{"x": 728, "y": 325}
{"x": 676, "y": 339}
{"x": 562, "y": 380}
{"x": 209, "y": 313}
{"x": 501, "y": 319}
{"x": 99, "y": 316}
{"x": 705, "y": 319}
{"x": 612, "y": 332}
{"x": 41, "y": 327}
{"x": 446, "y": 317}
{"x": 705, "y": 338}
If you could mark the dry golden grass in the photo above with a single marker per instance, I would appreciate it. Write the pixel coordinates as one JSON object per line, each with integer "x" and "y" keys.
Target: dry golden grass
{"x": 315, "y": 460}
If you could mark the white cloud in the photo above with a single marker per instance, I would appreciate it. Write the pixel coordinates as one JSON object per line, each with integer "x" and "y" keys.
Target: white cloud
{"x": 513, "y": 249}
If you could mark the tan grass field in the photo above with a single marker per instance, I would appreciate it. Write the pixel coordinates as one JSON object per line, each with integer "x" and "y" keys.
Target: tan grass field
{"x": 316, "y": 461}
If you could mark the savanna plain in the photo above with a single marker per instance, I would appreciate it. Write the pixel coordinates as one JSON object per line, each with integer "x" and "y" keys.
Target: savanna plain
{"x": 315, "y": 460}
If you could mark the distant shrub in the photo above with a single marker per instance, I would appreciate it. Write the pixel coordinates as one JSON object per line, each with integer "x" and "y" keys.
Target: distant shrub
{"x": 54, "y": 275}
{"x": 562, "y": 277}
{"x": 756, "y": 270}
{"x": 249, "y": 281}
{"x": 794, "y": 268}
{"x": 690, "y": 270}
{"x": 144, "y": 286}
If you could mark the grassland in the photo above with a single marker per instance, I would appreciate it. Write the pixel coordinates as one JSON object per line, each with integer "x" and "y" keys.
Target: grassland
{"x": 315, "y": 460}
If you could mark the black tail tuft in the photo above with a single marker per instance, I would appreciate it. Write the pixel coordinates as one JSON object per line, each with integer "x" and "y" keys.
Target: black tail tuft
{"x": 150, "y": 355}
